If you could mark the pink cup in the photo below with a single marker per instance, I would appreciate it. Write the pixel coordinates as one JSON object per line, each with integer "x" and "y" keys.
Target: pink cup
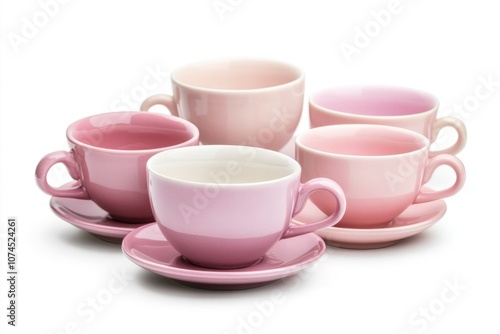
{"x": 380, "y": 168}
{"x": 251, "y": 102}
{"x": 224, "y": 206}
{"x": 395, "y": 106}
{"x": 108, "y": 155}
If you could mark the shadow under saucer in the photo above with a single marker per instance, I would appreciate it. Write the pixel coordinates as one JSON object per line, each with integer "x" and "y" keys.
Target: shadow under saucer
{"x": 414, "y": 220}
{"x": 87, "y": 216}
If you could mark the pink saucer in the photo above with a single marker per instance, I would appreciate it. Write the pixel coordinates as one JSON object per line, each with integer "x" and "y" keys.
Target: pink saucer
{"x": 415, "y": 219}
{"x": 146, "y": 247}
{"x": 86, "y": 215}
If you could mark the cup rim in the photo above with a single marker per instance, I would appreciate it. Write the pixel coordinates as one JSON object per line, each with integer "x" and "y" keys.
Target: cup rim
{"x": 313, "y": 97}
{"x": 190, "y": 127}
{"x": 419, "y": 137}
{"x": 299, "y": 78}
{"x": 292, "y": 163}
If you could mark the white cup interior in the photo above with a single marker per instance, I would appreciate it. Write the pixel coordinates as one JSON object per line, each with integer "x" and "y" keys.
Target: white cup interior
{"x": 221, "y": 164}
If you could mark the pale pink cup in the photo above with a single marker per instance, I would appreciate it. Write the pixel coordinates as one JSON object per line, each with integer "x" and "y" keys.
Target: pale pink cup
{"x": 384, "y": 105}
{"x": 108, "y": 155}
{"x": 251, "y": 102}
{"x": 380, "y": 168}
{"x": 224, "y": 206}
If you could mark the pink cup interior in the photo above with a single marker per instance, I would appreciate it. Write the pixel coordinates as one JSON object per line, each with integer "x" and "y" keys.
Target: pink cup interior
{"x": 362, "y": 140}
{"x": 375, "y": 100}
{"x": 131, "y": 131}
{"x": 237, "y": 74}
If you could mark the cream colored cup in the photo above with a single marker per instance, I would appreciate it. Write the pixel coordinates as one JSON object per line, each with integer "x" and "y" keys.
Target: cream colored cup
{"x": 251, "y": 102}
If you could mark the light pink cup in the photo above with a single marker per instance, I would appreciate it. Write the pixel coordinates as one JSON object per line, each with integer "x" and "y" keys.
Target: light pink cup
{"x": 108, "y": 155}
{"x": 224, "y": 206}
{"x": 251, "y": 102}
{"x": 380, "y": 168}
{"x": 384, "y": 105}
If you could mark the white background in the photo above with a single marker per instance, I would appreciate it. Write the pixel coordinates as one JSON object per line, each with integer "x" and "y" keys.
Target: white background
{"x": 88, "y": 54}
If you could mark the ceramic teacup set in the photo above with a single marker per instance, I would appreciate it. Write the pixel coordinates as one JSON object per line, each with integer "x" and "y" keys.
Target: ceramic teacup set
{"x": 205, "y": 196}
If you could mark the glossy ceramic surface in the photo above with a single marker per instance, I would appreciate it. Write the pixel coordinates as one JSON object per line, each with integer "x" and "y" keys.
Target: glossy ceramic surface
{"x": 381, "y": 170}
{"x": 147, "y": 247}
{"x": 225, "y": 206}
{"x": 250, "y": 102}
{"x": 414, "y": 220}
{"x": 395, "y": 106}
{"x": 108, "y": 154}
{"x": 87, "y": 216}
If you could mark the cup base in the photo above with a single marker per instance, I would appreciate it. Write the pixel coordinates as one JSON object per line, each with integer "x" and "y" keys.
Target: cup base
{"x": 223, "y": 266}
{"x": 217, "y": 252}
{"x": 131, "y": 220}
{"x": 362, "y": 225}
{"x": 361, "y": 246}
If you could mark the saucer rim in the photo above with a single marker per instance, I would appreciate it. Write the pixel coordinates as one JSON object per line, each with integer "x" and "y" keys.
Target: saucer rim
{"x": 221, "y": 276}
{"x": 350, "y": 236}
{"x": 104, "y": 226}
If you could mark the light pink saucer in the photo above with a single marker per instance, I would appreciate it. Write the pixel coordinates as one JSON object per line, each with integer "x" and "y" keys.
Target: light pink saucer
{"x": 415, "y": 219}
{"x": 147, "y": 247}
{"x": 87, "y": 216}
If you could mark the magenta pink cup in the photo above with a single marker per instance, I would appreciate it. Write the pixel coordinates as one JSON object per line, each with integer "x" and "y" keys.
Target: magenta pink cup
{"x": 108, "y": 155}
{"x": 384, "y": 105}
{"x": 380, "y": 168}
{"x": 251, "y": 102}
{"x": 224, "y": 206}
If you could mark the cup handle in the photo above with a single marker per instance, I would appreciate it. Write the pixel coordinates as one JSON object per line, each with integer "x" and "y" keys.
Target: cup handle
{"x": 444, "y": 159}
{"x": 162, "y": 99}
{"x": 68, "y": 159}
{"x": 459, "y": 127}
{"x": 305, "y": 190}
